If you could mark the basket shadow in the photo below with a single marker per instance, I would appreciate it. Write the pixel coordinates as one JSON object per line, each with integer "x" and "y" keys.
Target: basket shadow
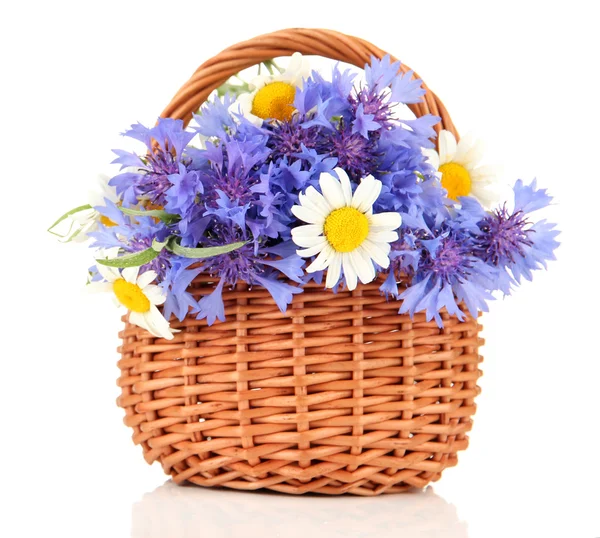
{"x": 173, "y": 511}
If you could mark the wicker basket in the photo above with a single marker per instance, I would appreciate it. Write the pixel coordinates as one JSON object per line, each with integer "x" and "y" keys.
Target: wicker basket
{"x": 340, "y": 394}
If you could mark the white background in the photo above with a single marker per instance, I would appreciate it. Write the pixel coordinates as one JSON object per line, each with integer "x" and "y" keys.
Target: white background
{"x": 522, "y": 76}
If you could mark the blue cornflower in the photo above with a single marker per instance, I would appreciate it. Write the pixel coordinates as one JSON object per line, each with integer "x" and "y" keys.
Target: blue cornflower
{"x": 176, "y": 284}
{"x": 511, "y": 242}
{"x": 229, "y": 210}
{"x": 288, "y": 138}
{"x": 248, "y": 264}
{"x": 356, "y": 154}
{"x": 214, "y": 118}
{"x": 150, "y": 178}
{"x": 377, "y": 99}
{"x": 448, "y": 274}
{"x": 436, "y": 257}
{"x": 141, "y": 237}
{"x": 319, "y": 100}
{"x": 183, "y": 191}
{"x": 364, "y": 123}
{"x": 232, "y": 170}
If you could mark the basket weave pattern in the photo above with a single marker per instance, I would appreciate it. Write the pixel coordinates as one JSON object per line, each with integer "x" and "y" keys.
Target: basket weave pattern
{"x": 339, "y": 394}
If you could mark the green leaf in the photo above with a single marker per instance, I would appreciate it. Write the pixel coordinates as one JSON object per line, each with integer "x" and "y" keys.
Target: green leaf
{"x": 199, "y": 253}
{"x": 270, "y": 64}
{"x": 157, "y": 213}
{"x": 66, "y": 216}
{"x": 134, "y": 259}
{"x": 234, "y": 89}
{"x": 159, "y": 245}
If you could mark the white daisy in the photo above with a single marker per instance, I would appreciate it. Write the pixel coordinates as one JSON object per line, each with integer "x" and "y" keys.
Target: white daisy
{"x": 461, "y": 175}
{"x": 342, "y": 230}
{"x": 87, "y": 221}
{"x": 136, "y": 293}
{"x": 272, "y": 96}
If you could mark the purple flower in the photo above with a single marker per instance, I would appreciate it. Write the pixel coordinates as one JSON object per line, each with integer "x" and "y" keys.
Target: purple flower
{"x": 323, "y": 100}
{"x": 249, "y": 264}
{"x": 228, "y": 210}
{"x": 151, "y": 179}
{"x": 211, "y": 306}
{"x": 161, "y": 264}
{"x": 281, "y": 292}
{"x": 447, "y": 274}
{"x": 380, "y": 73}
{"x": 214, "y": 118}
{"x": 183, "y": 190}
{"x": 407, "y": 90}
{"x": 233, "y": 171}
{"x": 363, "y": 123}
{"x": 289, "y": 138}
{"x": 176, "y": 284}
{"x": 357, "y": 155}
{"x": 511, "y": 242}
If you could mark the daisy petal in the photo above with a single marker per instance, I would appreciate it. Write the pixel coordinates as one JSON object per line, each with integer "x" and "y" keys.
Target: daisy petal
{"x": 363, "y": 265}
{"x": 137, "y": 318}
{"x": 469, "y": 151}
{"x": 130, "y": 274}
{"x": 366, "y": 194}
{"x": 432, "y": 157}
{"x": 99, "y": 287}
{"x": 322, "y": 260}
{"x": 385, "y": 221}
{"x": 332, "y": 190}
{"x": 309, "y": 241}
{"x": 382, "y": 237}
{"x": 349, "y": 272}
{"x": 158, "y": 324}
{"x": 312, "y": 251}
{"x": 155, "y": 294}
{"x": 447, "y": 147}
{"x": 346, "y": 186}
{"x": 379, "y": 252}
{"x": 488, "y": 172}
{"x": 307, "y": 230}
{"x": 307, "y": 215}
{"x": 109, "y": 274}
{"x": 314, "y": 197}
{"x": 145, "y": 278}
{"x": 334, "y": 270}
{"x": 153, "y": 321}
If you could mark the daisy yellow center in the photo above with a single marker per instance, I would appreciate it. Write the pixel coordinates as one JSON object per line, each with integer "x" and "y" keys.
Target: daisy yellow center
{"x": 346, "y": 228}
{"x": 107, "y": 222}
{"x": 131, "y": 296}
{"x": 456, "y": 180}
{"x": 275, "y": 100}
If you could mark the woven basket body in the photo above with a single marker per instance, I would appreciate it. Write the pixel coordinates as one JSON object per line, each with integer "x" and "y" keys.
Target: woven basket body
{"x": 339, "y": 394}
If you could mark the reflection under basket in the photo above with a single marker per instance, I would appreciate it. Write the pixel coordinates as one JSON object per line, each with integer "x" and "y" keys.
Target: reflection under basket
{"x": 186, "y": 512}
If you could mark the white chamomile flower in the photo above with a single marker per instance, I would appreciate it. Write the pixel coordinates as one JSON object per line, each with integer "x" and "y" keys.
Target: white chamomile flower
{"x": 87, "y": 221}
{"x": 461, "y": 175}
{"x": 272, "y": 96}
{"x": 136, "y": 293}
{"x": 342, "y": 229}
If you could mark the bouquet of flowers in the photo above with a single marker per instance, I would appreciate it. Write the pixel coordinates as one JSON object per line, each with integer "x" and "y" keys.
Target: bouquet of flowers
{"x": 298, "y": 176}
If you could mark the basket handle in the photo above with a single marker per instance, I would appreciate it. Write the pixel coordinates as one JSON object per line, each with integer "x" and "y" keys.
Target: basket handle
{"x": 308, "y": 41}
